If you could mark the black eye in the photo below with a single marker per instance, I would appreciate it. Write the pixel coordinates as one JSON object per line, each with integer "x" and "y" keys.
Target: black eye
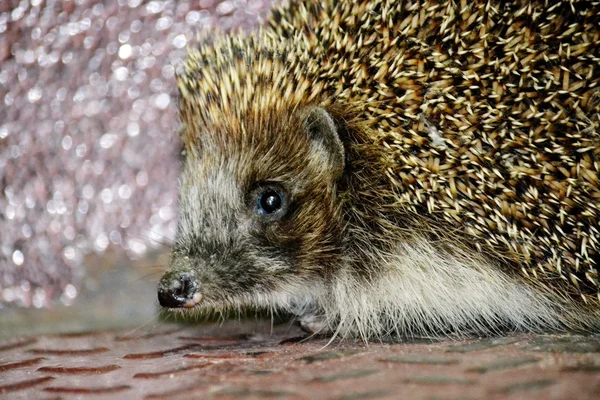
{"x": 269, "y": 201}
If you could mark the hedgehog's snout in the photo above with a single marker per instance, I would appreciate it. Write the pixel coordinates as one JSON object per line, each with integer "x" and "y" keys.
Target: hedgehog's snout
{"x": 179, "y": 290}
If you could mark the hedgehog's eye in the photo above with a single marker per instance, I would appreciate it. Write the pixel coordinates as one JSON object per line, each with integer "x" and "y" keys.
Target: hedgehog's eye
{"x": 269, "y": 201}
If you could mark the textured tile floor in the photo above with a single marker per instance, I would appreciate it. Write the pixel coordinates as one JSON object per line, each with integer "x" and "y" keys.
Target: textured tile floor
{"x": 253, "y": 360}
{"x": 248, "y": 360}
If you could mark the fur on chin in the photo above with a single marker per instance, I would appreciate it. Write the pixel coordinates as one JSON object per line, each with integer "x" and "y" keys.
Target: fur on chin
{"x": 419, "y": 291}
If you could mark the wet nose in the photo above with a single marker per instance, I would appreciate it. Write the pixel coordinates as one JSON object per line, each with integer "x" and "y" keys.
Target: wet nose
{"x": 179, "y": 289}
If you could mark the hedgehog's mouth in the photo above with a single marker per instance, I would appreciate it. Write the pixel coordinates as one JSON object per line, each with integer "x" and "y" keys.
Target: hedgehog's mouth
{"x": 194, "y": 301}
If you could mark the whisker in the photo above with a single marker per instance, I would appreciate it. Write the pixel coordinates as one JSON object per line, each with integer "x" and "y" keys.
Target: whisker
{"x": 167, "y": 243}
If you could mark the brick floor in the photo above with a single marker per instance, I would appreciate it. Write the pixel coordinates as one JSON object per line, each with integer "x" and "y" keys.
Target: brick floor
{"x": 252, "y": 360}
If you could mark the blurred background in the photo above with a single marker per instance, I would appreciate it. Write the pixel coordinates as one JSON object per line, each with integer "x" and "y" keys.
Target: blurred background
{"x": 89, "y": 154}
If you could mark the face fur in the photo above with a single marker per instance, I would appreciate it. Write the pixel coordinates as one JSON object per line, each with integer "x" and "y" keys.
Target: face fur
{"x": 259, "y": 213}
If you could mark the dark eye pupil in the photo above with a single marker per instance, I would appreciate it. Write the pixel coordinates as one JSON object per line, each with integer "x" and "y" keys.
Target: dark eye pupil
{"x": 269, "y": 201}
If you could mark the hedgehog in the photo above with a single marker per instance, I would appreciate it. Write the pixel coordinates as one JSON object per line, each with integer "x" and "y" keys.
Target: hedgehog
{"x": 395, "y": 168}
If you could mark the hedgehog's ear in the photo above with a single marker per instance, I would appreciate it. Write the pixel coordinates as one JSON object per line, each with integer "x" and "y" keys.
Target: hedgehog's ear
{"x": 321, "y": 129}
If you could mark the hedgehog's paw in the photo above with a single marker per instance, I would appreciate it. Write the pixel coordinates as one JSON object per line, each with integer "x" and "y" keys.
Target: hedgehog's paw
{"x": 313, "y": 323}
